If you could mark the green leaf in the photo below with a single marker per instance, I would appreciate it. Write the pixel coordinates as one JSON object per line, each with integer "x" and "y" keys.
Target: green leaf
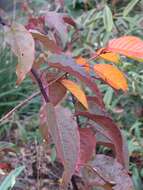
{"x": 108, "y": 97}
{"x": 10, "y": 180}
{"x": 129, "y": 7}
{"x": 108, "y": 18}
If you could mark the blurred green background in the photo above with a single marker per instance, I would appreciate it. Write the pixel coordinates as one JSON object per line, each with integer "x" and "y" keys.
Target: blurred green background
{"x": 98, "y": 21}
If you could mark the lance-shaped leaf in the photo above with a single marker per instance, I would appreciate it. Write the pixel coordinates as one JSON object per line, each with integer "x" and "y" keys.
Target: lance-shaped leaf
{"x": 129, "y": 7}
{"x": 129, "y": 46}
{"x": 87, "y": 145}
{"x": 107, "y": 19}
{"x": 113, "y": 132}
{"x": 112, "y": 76}
{"x": 65, "y": 135}
{"x": 44, "y": 39}
{"x": 76, "y": 91}
{"x": 68, "y": 64}
{"x": 22, "y": 44}
{"x": 107, "y": 169}
{"x": 10, "y": 180}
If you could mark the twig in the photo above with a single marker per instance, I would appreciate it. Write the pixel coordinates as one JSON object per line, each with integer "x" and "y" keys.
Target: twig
{"x": 24, "y": 102}
{"x": 40, "y": 84}
{"x": 21, "y": 104}
{"x": 74, "y": 103}
{"x": 73, "y": 180}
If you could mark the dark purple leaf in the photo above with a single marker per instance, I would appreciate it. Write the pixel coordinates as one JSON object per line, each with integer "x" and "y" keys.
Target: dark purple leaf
{"x": 113, "y": 132}
{"x": 64, "y": 132}
{"x": 107, "y": 170}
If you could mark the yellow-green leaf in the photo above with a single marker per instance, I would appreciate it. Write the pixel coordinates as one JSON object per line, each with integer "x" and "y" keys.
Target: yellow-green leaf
{"x": 107, "y": 19}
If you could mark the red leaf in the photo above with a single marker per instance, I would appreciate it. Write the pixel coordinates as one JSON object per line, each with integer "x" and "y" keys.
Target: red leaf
{"x": 6, "y": 166}
{"x": 129, "y": 46}
{"x": 102, "y": 139}
{"x": 111, "y": 171}
{"x": 55, "y": 96}
{"x": 36, "y": 23}
{"x": 65, "y": 135}
{"x": 87, "y": 145}
{"x": 67, "y": 64}
{"x": 44, "y": 39}
{"x": 113, "y": 132}
{"x": 69, "y": 20}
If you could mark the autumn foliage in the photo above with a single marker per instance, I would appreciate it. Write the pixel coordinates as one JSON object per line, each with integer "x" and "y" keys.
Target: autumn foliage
{"x": 76, "y": 132}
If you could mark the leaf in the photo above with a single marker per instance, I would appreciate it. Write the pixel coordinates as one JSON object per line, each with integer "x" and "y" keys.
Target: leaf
{"x": 10, "y": 180}
{"x": 5, "y": 166}
{"x": 83, "y": 62}
{"x": 67, "y": 64}
{"x": 129, "y": 7}
{"x": 109, "y": 56}
{"x": 110, "y": 170}
{"x": 129, "y": 46}
{"x": 113, "y": 132}
{"x": 44, "y": 39}
{"x": 65, "y": 135}
{"x": 57, "y": 21}
{"x": 36, "y": 23}
{"x": 76, "y": 91}
{"x": 55, "y": 96}
{"x": 112, "y": 76}
{"x": 94, "y": 107}
{"x": 22, "y": 44}
{"x": 108, "y": 97}
{"x": 69, "y": 20}
{"x": 87, "y": 144}
{"x": 102, "y": 138}
{"x": 108, "y": 19}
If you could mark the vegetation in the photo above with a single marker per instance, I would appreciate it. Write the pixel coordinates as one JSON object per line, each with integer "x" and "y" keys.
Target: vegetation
{"x": 74, "y": 103}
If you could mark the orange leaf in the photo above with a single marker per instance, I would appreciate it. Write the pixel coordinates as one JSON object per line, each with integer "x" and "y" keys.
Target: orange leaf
{"x": 83, "y": 62}
{"x": 109, "y": 56}
{"x": 76, "y": 91}
{"x": 129, "y": 46}
{"x": 112, "y": 76}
